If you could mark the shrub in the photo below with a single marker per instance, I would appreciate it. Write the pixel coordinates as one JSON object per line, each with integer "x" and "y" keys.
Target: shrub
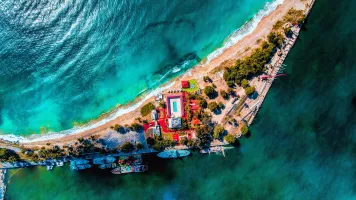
{"x": 249, "y": 90}
{"x": 207, "y": 79}
{"x": 230, "y": 139}
{"x": 244, "y": 83}
{"x": 150, "y": 141}
{"x": 203, "y": 103}
{"x": 146, "y": 109}
{"x": 7, "y": 155}
{"x": 244, "y": 130}
{"x": 127, "y": 147}
{"x": 136, "y": 126}
{"x": 224, "y": 94}
{"x": 183, "y": 141}
{"x": 116, "y": 127}
{"x": 218, "y": 131}
{"x": 213, "y": 106}
{"x": 209, "y": 91}
{"x": 139, "y": 146}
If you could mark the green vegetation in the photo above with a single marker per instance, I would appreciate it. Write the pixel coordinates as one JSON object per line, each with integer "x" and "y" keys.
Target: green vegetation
{"x": 184, "y": 141}
{"x": 117, "y": 127}
{"x": 7, "y": 155}
{"x": 146, "y": 109}
{"x": 193, "y": 86}
{"x": 224, "y": 94}
{"x": 218, "y": 131}
{"x": 230, "y": 139}
{"x": 204, "y": 135}
{"x": 244, "y": 130}
{"x": 139, "y": 146}
{"x": 255, "y": 63}
{"x": 207, "y": 79}
{"x": 288, "y": 32}
{"x": 294, "y": 16}
{"x": 53, "y": 153}
{"x": 210, "y": 92}
{"x": 213, "y": 106}
{"x": 244, "y": 83}
{"x": 136, "y": 127}
{"x": 127, "y": 147}
{"x": 250, "y": 90}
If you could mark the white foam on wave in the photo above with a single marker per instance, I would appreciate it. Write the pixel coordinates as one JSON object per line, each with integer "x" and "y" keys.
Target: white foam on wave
{"x": 75, "y": 130}
{"x": 246, "y": 29}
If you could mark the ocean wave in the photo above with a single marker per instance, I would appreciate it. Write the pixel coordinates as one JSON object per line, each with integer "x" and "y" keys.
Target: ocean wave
{"x": 246, "y": 29}
{"x": 55, "y": 135}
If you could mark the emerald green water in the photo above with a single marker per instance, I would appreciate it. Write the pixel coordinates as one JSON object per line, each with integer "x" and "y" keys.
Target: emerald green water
{"x": 303, "y": 142}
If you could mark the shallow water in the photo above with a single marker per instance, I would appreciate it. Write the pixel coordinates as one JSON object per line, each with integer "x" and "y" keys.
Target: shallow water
{"x": 303, "y": 142}
{"x": 63, "y": 62}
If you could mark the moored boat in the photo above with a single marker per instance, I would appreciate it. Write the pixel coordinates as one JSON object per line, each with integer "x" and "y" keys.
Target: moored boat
{"x": 107, "y": 166}
{"x": 129, "y": 169}
{"x": 173, "y": 153}
{"x": 103, "y": 160}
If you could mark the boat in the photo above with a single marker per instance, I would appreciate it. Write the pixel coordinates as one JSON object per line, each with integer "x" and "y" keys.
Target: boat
{"x": 103, "y": 160}
{"x": 59, "y": 163}
{"x": 173, "y": 153}
{"x": 217, "y": 150}
{"x": 80, "y": 167}
{"x": 49, "y": 167}
{"x": 79, "y": 164}
{"x": 107, "y": 166}
{"x": 129, "y": 169}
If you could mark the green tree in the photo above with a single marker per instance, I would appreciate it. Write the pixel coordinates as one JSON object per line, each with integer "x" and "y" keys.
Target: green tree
{"x": 230, "y": 139}
{"x": 207, "y": 79}
{"x": 203, "y": 103}
{"x": 224, "y": 94}
{"x": 139, "y": 146}
{"x": 8, "y": 155}
{"x": 249, "y": 90}
{"x": 288, "y": 32}
{"x": 183, "y": 141}
{"x": 244, "y": 130}
{"x": 213, "y": 106}
{"x": 146, "y": 109}
{"x": 244, "y": 83}
{"x": 218, "y": 131}
{"x": 210, "y": 91}
{"x": 136, "y": 127}
{"x": 127, "y": 147}
{"x": 150, "y": 141}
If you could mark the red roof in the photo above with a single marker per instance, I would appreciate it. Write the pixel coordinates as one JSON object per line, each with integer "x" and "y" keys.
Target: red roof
{"x": 185, "y": 84}
{"x": 195, "y": 122}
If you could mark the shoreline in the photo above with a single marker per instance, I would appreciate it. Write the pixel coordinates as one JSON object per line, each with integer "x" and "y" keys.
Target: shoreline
{"x": 127, "y": 113}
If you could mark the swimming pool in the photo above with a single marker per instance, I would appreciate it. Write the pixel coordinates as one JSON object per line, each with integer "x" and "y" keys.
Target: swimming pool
{"x": 175, "y": 109}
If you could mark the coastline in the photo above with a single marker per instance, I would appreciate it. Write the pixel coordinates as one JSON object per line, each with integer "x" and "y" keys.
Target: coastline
{"x": 127, "y": 113}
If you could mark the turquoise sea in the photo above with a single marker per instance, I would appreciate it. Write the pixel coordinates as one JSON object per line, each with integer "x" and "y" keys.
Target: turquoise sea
{"x": 302, "y": 146}
{"x": 69, "y": 61}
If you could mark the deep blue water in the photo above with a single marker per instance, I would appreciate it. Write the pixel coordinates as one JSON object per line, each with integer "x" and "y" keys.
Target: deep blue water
{"x": 69, "y": 61}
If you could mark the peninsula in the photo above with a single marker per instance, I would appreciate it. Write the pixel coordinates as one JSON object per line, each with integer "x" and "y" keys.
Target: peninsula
{"x": 211, "y": 105}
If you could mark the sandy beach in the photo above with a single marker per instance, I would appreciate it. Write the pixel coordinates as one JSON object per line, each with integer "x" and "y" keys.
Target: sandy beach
{"x": 236, "y": 51}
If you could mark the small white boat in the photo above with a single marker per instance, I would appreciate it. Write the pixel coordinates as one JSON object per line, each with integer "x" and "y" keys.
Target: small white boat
{"x": 59, "y": 163}
{"x": 173, "y": 153}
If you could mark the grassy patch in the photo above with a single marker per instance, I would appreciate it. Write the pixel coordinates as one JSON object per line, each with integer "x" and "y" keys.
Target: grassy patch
{"x": 193, "y": 86}
{"x": 168, "y": 136}
{"x": 146, "y": 109}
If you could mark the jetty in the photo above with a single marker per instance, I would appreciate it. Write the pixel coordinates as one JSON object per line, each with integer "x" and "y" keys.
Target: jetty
{"x": 275, "y": 68}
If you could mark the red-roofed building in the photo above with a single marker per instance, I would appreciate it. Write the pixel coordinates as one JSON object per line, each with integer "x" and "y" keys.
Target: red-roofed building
{"x": 185, "y": 84}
